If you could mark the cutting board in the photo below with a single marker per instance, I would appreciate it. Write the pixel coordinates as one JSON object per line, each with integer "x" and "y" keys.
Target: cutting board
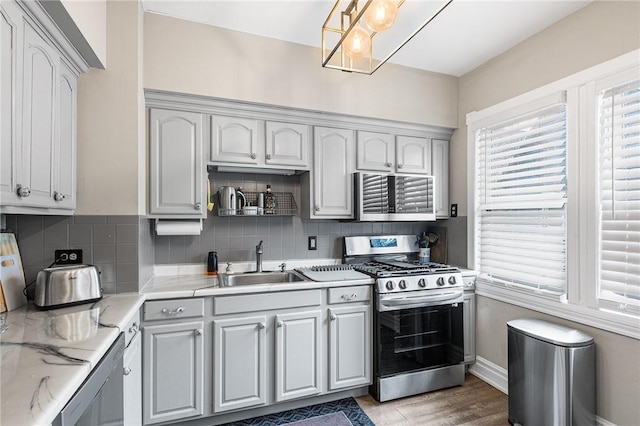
{"x": 439, "y": 249}
{"x": 11, "y": 273}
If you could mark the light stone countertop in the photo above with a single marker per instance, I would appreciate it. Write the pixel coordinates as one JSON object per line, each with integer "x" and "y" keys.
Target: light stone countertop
{"x": 46, "y": 355}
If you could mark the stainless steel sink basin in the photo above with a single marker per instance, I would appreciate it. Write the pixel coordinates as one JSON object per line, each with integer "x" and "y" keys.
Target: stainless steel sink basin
{"x": 257, "y": 278}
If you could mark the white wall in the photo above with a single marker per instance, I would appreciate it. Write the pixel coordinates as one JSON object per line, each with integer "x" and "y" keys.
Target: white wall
{"x": 110, "y": 119}
{"x": 599, "y": 32}
{"x": 189, "y": 57}
{"x": 91, "y": 18}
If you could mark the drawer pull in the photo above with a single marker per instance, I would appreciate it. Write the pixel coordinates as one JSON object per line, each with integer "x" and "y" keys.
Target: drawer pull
{"x": 349, "y": 297}
{"x": 176, "y": 311}
{"x": 126, "y": 371}
{"x": 198, "y": 332}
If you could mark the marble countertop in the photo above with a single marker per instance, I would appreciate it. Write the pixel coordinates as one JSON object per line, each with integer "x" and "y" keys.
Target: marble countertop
{"x": 46, "y": 355}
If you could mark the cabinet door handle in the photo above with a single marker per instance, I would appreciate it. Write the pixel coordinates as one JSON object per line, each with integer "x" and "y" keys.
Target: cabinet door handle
{"x": 126, "y": 371}
{"x": 23, "y": 191}
{"x": 197, "y": 206}
{"x": 268, "y": 156}
{"x": 198, "y": 332}
{"x": 389, "y": 164}
{"x": 317, "y": 208}
{"x": 176, "y": 311}
{"x": 279, "y": 323}
{"x": 399, "y": 166}
{"x": 254, "y": 155}
{"x": 261, "y": 325}
{"x": 58, "y": 196}
{"x": 332, "y": 316}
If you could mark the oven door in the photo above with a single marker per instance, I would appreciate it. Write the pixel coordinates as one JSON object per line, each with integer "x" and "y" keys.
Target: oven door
{"x": 418, "y": 338}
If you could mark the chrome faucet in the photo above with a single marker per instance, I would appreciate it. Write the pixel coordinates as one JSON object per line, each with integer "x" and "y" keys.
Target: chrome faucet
{"x": 259, "y": 257}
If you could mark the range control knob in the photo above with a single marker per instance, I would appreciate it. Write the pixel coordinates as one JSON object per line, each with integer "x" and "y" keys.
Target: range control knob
{"x": 452, "y": 280}
{"x": 422, "y": 282}
{"x": 440, "y": 281}
{"x": 402, "y": 284}
{"x": 390, "y": 285}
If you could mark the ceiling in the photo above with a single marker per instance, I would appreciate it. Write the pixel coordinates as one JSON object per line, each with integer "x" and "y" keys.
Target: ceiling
{"x": 465, "y": 35}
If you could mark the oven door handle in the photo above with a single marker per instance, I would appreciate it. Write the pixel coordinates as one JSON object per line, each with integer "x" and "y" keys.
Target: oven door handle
{"x": 397, "y": 303}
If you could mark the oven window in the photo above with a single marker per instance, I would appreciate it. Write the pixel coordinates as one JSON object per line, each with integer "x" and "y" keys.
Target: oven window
{"x": 416, "y": 339}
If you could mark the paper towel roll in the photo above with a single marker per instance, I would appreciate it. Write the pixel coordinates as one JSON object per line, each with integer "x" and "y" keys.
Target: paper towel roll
{"x": 178, "y": 227}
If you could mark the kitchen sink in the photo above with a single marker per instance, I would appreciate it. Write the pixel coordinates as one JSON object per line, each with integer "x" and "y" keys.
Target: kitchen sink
{"x": 257, "y": 278}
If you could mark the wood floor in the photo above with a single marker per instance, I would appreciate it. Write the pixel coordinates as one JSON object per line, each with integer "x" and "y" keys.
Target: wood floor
{"x": 475, "y": 403}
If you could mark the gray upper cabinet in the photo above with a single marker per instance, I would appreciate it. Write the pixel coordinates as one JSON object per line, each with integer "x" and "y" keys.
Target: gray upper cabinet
{"x": 413, "y": 155}
{"x": 440, "y": 152}
{"x": 287, "y": 145}
{"x": 239, "y": 363}
{"x": 176, "y": 166}
{"x": 349, "y": 346}
{"x": 173, "y": 371}
{"x": 38, "y": 89}
{"x": 332, "y": 180}
{"x": 298, "y": 355}
{"x": 246, "y": 142}
{"x": 236, "y": 140}
{"x": 385, "y": 152}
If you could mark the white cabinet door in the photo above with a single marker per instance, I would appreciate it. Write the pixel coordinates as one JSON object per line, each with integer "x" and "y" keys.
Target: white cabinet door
{"x": 38, "y": 120}
{"x": 469, "y": 326}
{"x": 65, "y": 142}
{"x": 440, "y": 152}
{"x": 298, "y": 355}
{"x": 236, "y": 140}
{"x": 333, "y": 165}
{"x": 287, "y": 145}
{"x": 176, "y": 177}
{"x": 173, "y": 371}
{"x": 413, "y": 155}
{"x": 239, "y": 363}
{"x": 9, "y": 98}
{"x": 375, "y": 152}
{"x": 133, "y": 382}
{"x": 349, "y": 347}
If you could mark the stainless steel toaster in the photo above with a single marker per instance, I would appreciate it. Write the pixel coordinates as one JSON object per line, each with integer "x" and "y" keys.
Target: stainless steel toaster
{"x": 67, "y": 285}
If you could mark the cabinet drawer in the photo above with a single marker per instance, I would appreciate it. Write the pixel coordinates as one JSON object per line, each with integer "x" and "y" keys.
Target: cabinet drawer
{"x": 173, "y": 308}
{"x": 265, "y": 301}
{"x": 359, "y": 293}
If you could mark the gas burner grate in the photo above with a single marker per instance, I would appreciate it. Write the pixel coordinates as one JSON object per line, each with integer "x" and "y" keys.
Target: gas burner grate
{"x": 392, "y": 268}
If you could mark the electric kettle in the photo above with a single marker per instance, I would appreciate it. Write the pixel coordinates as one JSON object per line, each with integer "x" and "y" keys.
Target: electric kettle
{"x": 227, "y": 205}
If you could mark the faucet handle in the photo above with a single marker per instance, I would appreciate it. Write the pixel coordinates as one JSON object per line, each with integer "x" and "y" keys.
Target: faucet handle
{"x": 282, "y": 266}
{"x": 259, "y": 247}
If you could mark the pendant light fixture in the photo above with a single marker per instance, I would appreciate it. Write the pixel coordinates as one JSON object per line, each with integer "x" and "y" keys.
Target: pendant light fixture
{"x": 359, "y": 22}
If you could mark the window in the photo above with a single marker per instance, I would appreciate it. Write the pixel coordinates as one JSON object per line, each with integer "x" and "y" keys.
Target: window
{"x": 619, "y": 196}
{"x": 521, "y": 195}
{"x": 554, "y": 198}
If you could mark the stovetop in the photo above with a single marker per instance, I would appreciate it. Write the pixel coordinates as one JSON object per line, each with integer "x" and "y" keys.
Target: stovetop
{"x": 395, "y": 268}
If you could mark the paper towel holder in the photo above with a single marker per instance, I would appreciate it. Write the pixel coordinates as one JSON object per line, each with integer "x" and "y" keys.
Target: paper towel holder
{"x": 178, "y": 226}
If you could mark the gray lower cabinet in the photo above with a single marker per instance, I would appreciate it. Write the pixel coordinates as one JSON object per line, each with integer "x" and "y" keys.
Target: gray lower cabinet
{"x": 132, "y": 369}
{"x": 469, "y": 326}
{"x": 173, "y": 371}
{"x": 298, "y": 354}
{"x": 239, "y": 362}
{"x": 349, "y": 346}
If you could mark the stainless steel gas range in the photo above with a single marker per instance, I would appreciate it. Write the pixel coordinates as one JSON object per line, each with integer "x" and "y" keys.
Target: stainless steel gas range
{"x": 418, "y": 329}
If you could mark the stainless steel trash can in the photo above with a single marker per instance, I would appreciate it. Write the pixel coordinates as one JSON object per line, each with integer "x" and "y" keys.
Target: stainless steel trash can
{"x": 552, "y": 378}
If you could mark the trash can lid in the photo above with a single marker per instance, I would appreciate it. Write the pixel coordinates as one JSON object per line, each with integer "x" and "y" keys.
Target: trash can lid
{"x": 550, "y": 332}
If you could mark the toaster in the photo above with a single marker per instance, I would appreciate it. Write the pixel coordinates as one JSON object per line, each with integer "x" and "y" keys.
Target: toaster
{"x": 66, "y": 286}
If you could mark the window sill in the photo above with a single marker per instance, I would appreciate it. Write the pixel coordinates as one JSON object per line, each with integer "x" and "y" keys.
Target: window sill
{"x": 608, "y": 321}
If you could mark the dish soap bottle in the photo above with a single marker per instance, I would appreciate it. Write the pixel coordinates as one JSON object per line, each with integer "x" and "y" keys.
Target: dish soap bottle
{"x": 269, "y": 202}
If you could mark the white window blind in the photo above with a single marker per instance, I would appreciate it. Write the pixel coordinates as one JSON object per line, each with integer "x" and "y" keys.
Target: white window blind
{"x": 619, "y": 195}
{"x": 521, "y": 194}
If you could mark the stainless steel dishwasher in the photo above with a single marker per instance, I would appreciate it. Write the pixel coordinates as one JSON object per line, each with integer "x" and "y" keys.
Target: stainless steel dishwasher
{"x": 99, "y": 400}
{"x": 551, "y": 374}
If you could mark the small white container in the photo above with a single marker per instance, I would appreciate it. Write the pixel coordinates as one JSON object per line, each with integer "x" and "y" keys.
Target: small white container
{"x": 250, "y": 210}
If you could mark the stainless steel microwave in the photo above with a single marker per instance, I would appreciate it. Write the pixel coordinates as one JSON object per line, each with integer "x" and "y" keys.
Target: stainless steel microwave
{"x": 387, "y": 197}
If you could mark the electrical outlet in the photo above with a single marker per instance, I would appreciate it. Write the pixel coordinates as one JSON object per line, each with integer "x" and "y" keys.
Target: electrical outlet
{"x": 454, "y": 210}
{"x": 68, "y": 257}
{"x": 313, "y": 242}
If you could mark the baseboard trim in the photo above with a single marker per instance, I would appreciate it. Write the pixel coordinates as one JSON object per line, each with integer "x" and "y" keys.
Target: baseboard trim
{"x": 497, "y": 377}
{"x": 491, "y": 373}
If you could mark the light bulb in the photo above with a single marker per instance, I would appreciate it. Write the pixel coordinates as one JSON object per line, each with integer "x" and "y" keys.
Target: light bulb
{"x": 357, "y": 43}
{"x": 381, "y": 14}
